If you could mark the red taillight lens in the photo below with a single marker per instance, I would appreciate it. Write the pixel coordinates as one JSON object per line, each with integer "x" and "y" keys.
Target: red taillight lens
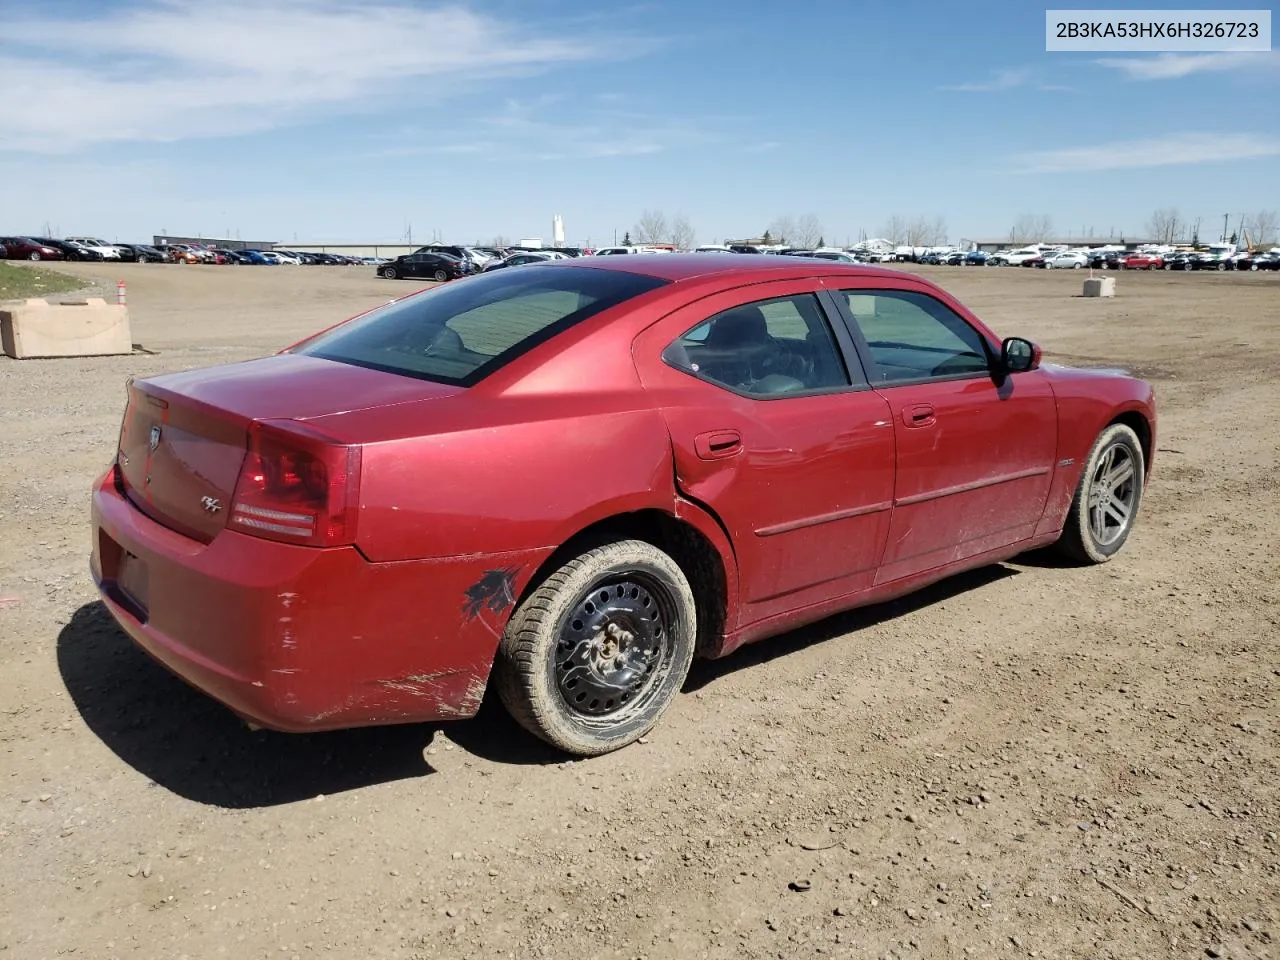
{"x": 297, "y": 486}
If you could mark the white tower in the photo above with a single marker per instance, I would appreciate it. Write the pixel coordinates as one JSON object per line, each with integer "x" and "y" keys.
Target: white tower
{"x": 557, "y": 231}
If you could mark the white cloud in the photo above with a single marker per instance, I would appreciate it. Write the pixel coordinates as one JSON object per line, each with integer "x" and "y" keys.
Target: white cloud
{"x": 1001, "y": 80}
{"x": 179, "y": 69}
{"x": 525, "y": 131}
{"x": 1173, "y": 66}
{"x": 1174, "y": 149}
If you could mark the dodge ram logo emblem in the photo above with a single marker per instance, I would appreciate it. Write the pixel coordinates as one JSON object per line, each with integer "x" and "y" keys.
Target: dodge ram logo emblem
{"x": 153, "y": 440}
{"x": 211, "y": 504}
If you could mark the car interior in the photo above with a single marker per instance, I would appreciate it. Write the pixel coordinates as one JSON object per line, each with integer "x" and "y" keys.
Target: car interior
{"x": 776, "y": 347}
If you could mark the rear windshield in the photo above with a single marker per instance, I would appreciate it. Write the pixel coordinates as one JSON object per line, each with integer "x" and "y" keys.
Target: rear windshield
{"x": 462, "y": 331}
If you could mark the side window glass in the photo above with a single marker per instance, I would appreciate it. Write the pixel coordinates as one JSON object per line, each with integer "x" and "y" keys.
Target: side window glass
{"x": 914, "y": 337}
{"x": 770, "y": 348}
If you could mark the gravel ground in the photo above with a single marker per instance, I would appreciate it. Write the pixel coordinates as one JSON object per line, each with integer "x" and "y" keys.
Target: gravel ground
{"x": 1030, "y": 760}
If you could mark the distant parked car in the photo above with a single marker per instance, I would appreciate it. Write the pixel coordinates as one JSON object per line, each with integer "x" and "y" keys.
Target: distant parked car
{"x": 1066, "y": 261}
{"x": 426, "y": 266}
{"x": 141, "y": 253}
{"x": 516, "y": 260}
{"x": 256, "y": 257}
{"x": 185, "y": 253}
{"x": 1014, "y": 258}
{"x": 25, "y": 248}
{"x": 71, "y": 251}
{"x": 1142, "y": 261}
{"x": 1258, "y": 261}
{"x": 109, "y": 251}
{"x": 1211, "y": 260}
{"x": 976, "y": 258}
{"x": 469, "y": 254}
{"x": 1180, "y": 261}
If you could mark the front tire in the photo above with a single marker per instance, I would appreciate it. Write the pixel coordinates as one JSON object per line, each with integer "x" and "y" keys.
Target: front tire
{"x": 594, "y": 656}
{"x": 389, "y": 272}
{"x": 1107, "y": 498}
{"x": 34, "y": 256}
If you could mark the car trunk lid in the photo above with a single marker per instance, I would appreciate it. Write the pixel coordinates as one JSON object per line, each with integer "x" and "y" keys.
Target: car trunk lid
{"x": 185, "y": 435}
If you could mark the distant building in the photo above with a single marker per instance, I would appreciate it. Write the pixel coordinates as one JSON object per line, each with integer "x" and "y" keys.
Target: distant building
{"x": 991, "y": 246}
{"x": 225, "y": 243}
{"x": 391, "y": 249}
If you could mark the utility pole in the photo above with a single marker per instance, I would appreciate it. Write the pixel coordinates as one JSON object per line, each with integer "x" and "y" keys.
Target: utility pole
{"x": 1225, "y": 218}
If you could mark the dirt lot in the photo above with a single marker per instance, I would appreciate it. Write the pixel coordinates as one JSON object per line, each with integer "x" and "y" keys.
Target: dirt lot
{"x": 1029, "y": 760}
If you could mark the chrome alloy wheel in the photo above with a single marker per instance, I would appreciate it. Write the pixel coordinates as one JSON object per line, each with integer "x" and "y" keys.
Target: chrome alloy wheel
{"x": 1113, "y": 493}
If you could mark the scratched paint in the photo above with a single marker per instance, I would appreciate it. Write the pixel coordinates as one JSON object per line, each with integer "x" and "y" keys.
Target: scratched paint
{"x": 494, "y": 591}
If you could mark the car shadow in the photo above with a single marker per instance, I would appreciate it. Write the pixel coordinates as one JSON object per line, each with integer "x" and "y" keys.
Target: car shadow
{"x": 188, "y": 743}
{"x": 1047, "y": 558}
{"x": 705, "y": 672}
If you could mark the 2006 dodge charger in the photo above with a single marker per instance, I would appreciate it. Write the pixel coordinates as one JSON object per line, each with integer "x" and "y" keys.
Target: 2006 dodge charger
{"x": 575, "y": 477}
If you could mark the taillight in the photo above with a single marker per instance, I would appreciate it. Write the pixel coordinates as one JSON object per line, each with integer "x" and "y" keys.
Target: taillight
{"x": 297, "y": 486}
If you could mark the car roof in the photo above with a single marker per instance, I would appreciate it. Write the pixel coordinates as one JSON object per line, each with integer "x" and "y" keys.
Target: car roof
{"x": 689, "y": 266}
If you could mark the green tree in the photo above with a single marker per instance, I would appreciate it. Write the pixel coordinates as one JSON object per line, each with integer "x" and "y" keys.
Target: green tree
{"x": 822, "y": 242}
{"x": 626, "y": 239}
{"x": 768, "y": 238}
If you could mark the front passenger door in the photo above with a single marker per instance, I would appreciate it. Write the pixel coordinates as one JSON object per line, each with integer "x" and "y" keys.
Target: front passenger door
{"x": 975, "y": 452}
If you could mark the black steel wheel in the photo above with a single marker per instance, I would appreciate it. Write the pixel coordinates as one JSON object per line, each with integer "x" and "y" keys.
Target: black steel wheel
{"x": 389, "y": 272}
{"x": 441, "y": 276}
{"x": 593, "y": 657}
{"x": 1107, "y": 497}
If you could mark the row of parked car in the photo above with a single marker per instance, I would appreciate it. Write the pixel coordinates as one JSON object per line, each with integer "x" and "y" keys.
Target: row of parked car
{"x": 97, "y": 249}
{"x": 450, "y": 261}
{"x": 1216, "y": 259}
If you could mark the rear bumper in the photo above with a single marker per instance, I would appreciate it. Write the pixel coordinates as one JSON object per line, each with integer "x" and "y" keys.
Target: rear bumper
{"x": 300, "y": 639}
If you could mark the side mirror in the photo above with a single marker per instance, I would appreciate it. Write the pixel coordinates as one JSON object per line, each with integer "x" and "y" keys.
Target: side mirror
{"x": 1018, "y": 355}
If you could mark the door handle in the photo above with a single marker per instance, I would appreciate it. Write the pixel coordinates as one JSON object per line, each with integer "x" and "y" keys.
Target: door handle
{"x": 919, "y": 415}
{"x": 717, "y": 444}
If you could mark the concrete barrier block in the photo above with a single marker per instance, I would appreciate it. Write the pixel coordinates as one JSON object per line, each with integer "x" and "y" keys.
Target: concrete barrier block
{"x": 1100, "y": 287}
{"x": 88, "y": 328}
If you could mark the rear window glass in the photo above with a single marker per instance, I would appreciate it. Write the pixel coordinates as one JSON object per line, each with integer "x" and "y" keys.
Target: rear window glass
{"x": 462, "y": 331}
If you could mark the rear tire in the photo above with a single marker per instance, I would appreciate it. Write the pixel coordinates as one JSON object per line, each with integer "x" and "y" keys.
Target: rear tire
{"x": 1107, "y": 498}
{"x": 441, "y": 276}
{"x": 594, "y": 656}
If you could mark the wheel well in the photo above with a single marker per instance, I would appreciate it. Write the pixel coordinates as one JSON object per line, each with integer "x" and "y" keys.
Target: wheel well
{"x": 684, "y": 543}
{"x": 1138, "y": 423}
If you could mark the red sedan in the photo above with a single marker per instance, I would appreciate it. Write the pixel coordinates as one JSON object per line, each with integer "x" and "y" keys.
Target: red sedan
{"x": 574, "y": 477}
{"x": 24, "y": 248}
{"x": 1142, "y": 261}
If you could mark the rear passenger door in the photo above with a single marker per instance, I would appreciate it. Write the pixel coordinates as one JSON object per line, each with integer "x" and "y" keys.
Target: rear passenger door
{"x": 775, "y": 430}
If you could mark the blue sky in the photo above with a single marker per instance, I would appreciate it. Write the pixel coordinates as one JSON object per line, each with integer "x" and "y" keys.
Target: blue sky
{"x": 354, "y": 119}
